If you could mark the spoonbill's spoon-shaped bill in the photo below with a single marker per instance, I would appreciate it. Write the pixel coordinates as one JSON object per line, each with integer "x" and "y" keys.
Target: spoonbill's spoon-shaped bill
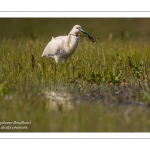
{"x": 61, "y": 47}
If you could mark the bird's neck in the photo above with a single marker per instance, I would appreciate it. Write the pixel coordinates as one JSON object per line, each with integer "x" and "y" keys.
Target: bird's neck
{"x": 74, "y": 34}
{"x": 73, "y": 41}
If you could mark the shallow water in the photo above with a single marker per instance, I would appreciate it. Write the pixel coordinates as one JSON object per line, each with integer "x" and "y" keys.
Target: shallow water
{"x": 69, "y": 96}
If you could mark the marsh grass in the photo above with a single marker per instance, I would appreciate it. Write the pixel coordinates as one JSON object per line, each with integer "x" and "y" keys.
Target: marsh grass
{"x": 109, "y": 82}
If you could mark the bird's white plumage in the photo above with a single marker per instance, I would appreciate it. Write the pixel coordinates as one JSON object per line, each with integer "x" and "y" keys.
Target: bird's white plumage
{"x": 62, "y": 47}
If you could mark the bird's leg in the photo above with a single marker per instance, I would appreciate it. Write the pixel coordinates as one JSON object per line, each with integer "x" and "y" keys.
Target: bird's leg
{"x": 56, "y": 58}
{"x": 64, "y": 60}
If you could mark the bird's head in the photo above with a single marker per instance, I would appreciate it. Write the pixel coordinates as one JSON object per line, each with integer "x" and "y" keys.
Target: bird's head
{"x": 77, "y": 29}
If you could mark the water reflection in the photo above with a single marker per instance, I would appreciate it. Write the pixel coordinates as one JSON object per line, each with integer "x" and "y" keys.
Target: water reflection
{"x": 68, "y": 97}
{"x": 59, "y": 98}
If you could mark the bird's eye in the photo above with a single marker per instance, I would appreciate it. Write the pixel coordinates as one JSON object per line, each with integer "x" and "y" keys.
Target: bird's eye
{"x": 77, "y": 28}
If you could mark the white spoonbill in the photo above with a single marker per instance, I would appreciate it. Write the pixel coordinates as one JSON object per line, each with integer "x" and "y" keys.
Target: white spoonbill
{"x": 62, "y": 47}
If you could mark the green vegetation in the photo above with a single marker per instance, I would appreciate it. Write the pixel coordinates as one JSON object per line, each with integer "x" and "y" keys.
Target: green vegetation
{"x": 108, "y": 82}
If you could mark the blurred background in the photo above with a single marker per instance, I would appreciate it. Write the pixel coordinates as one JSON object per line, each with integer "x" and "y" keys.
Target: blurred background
{"x": 125, "y": 28}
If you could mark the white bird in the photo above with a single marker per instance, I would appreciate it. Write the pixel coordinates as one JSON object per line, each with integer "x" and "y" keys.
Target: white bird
{"x": 62, "y": 47}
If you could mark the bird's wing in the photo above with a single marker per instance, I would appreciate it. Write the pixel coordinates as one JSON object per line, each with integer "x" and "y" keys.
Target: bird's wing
{"x": 53, "y": 47}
